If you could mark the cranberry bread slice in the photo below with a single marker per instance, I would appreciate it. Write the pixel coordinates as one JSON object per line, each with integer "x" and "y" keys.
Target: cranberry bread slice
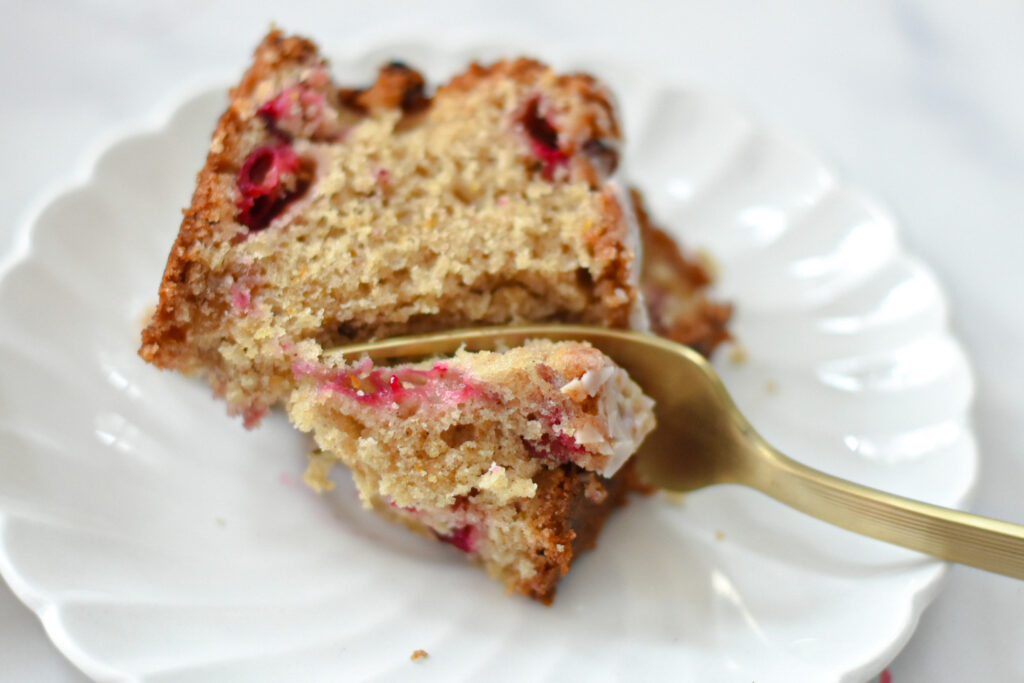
{"x": 326, "y": 215}
{"x": 513, "y": 457}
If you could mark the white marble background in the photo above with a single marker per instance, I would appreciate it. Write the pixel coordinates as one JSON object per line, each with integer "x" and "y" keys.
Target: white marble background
{"x": 920, "y": 102}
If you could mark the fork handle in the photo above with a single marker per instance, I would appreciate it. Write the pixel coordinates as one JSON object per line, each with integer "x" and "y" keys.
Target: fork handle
{"x": 951, "y": 535}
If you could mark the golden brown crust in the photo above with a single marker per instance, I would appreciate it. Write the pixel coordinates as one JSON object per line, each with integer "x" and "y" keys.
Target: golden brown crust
{"x": 609, "y": 240}
{"x": 397, "y": 87}
{"x": 522, "y": 70}
{"x": 274, "y": 52}
{"x": 528, "y": 71}
{"x": 210, "y": 217}
{"x": 569, "y": 511}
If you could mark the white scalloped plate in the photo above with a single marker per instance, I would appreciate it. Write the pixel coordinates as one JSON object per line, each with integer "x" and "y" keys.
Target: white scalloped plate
{"x": 159, "y": 541}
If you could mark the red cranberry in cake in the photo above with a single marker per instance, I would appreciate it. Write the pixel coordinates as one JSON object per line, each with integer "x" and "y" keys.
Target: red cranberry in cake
{"x": 387, "y": 388}
{"x": 560, "y": 448}
{"x": 463, "y": 538}
{"x": 270, "y": 177}
{"x": 483, "y": 451}
{"x": 543, "y": 139}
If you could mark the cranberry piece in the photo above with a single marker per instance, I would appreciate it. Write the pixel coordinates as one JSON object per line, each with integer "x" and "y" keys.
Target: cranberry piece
{"x": 278, "y": 107}
{"x": 463, "y": 538}
{"x": 300, "y": 111}
{"x": 268, "y": 180}
{"x": 386, "y": 388}
{"x": 543, "y": 138}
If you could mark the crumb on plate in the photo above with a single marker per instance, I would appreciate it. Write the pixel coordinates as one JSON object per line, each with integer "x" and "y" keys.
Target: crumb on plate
{"x": 675, "y": 497}
{"x": 738, "y": 355}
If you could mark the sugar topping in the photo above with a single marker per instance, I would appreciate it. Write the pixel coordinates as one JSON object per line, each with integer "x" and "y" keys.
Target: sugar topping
{"x": 625, "y": 415}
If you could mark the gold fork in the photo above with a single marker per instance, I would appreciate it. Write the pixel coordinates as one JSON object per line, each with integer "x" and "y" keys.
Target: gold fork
{"x": 703, "y": 439}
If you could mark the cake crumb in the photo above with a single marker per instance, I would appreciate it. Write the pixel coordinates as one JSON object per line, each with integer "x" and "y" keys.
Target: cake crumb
{"x": 709, "y": 262}
{"x": 496, "y": 481}
{"x": 146, "y": 316}
{"x": 221, "y": 521}
{"x": 719, "y": 535}
{"x": 419, "y": 654}
{"x": 739, "y": 355}
{"x": 318, "y": 472}
{"x": 595, "y": 492}
{"x": 771, "y": 387}
{"x": 675, "y": 497}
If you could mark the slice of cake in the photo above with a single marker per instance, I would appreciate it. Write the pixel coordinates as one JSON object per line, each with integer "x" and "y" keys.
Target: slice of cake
{"x": 326, "y": 215}
{"x": 515, "y": 458}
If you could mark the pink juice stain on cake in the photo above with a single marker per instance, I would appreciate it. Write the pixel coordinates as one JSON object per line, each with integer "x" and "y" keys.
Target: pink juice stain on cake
{"x": 292, "y": 102}
{"x": 253, "y": 415}
{"x": 241, "y": 297}
{"x": 555, "y": 445}
{"x": 297, "y": 111}
{"x": 392, "y": 387}
{"x": 403, "y": 508}
{"x": 543, "y": 139}
{"x": 464, "y": 538}
{"x": 561, "y": 448}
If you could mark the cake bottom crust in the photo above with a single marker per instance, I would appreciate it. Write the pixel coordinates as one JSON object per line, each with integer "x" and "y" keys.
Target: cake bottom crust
{"x": 569, "y": 511}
